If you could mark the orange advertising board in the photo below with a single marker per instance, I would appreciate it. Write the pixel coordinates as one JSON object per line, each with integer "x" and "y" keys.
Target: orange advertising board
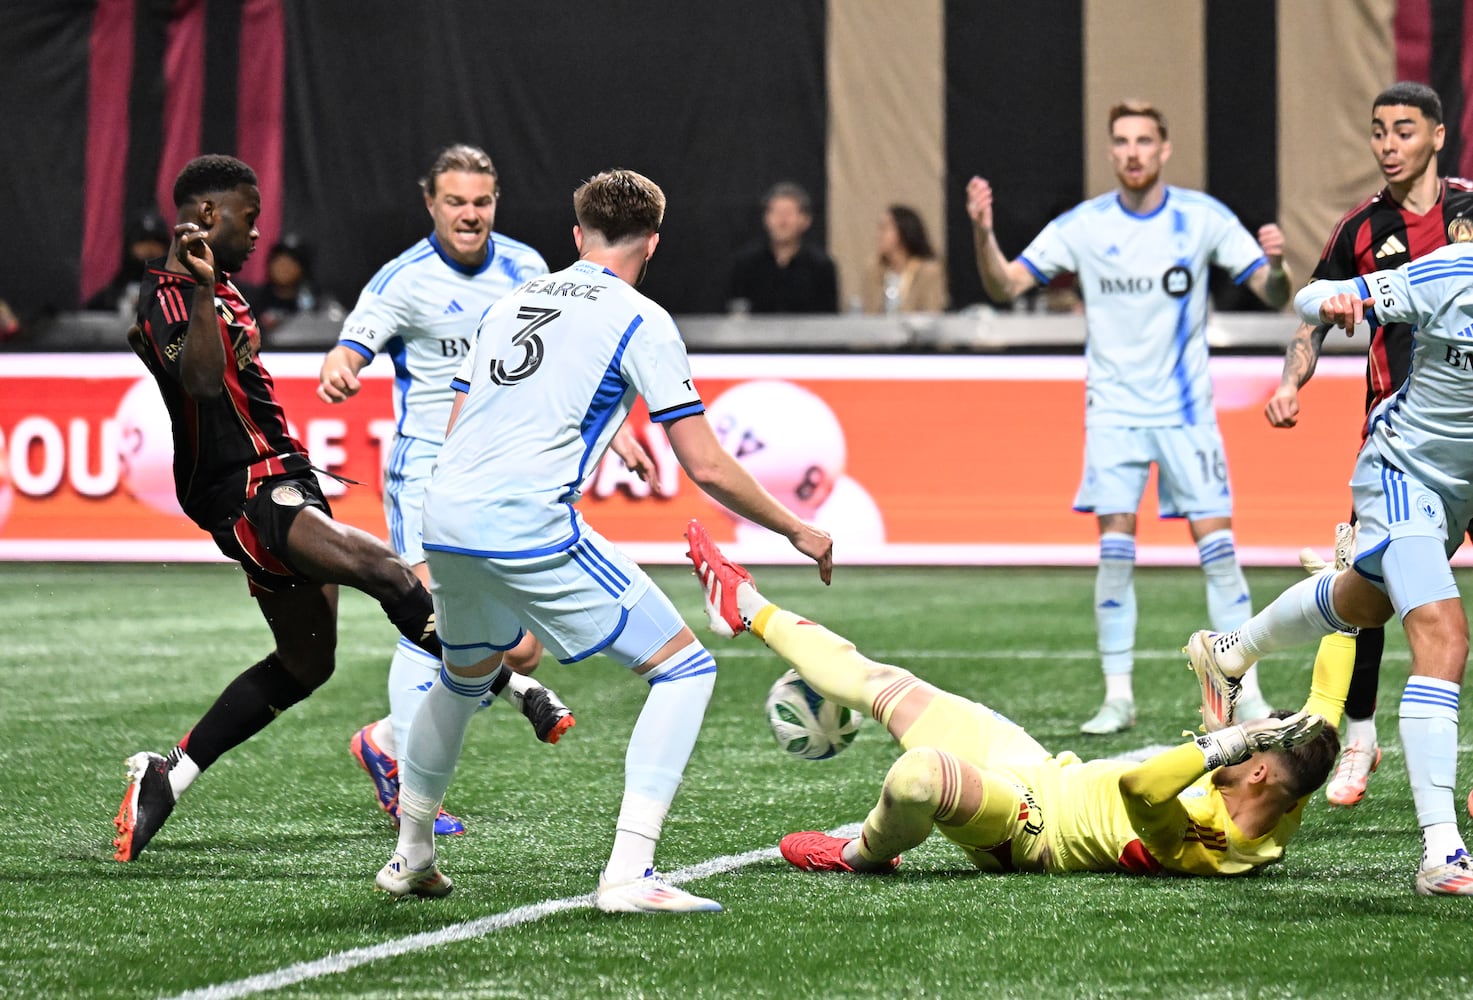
{"x": 906, "y": 459}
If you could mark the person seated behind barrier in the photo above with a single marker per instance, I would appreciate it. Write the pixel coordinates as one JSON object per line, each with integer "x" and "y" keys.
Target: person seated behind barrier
{"x": 289, "y": 288}
{"x": 145, "y": 238}
{"x": 780, "y": 274}
{"x": 905, "y": 276}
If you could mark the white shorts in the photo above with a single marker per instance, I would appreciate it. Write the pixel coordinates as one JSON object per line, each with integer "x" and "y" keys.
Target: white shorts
{"x": 1391, "y": 505}
{"x": 411, "y": 460}
{"x": 589, "y": 598}
{"x": 1191, "y": 471}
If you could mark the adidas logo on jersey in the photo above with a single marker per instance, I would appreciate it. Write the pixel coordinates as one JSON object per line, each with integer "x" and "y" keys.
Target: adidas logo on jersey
{"x": 1391, "y": 246}
{"x": 453, "y": 307}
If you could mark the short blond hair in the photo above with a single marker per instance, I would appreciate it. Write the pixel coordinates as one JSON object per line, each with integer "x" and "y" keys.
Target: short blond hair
{"x": 619, "y": 205}
{"x": 1138, "y": 109}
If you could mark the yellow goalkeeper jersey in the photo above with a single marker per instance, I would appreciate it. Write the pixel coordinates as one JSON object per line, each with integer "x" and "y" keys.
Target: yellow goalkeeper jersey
{"x": 1089, "y": 825}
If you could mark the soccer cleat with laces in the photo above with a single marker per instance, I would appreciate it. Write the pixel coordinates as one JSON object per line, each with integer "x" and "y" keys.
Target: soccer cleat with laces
{"x": 1115, "y": 716}
{"x": 399, "y": 880}
{"x": 813, "y": 851}
{"x": 1347, "y": 786}
{"x": 1452, "y": 879}
{"x": 384, "y": 770}
{"x": 650, "y": 894}
{"x": 1219, "y": 689}
{"x": 720, "y": 578}
{"x": 550, "y": 718}
{"x": 146, "y": 804}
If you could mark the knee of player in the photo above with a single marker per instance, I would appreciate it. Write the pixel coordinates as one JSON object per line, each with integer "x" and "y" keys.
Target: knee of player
{"x": 310, "y": 668}
{"x": 914, "y": 778}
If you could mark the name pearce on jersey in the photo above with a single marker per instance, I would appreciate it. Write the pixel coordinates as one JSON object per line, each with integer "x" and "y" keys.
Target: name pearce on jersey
{"x": 568, "y": 289}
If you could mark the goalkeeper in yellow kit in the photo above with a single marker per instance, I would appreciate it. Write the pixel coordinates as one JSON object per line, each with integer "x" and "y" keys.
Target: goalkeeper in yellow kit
{"x": 1222, "y": 804}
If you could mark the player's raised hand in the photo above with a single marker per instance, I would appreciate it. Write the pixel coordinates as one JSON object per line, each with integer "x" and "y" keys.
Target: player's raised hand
{"x": 1283, "y": 407}
{"x": 816, "y": 544}
{"x": 192, "y": 250}
{"x": 1271, "y": 241}
{"x": 979, "y": 203}
{"x": 1344, "y": 310}
{"x": 1281, "y": 734}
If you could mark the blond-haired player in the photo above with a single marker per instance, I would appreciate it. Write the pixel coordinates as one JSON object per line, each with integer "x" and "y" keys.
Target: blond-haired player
{"x": 1224, "y": 803}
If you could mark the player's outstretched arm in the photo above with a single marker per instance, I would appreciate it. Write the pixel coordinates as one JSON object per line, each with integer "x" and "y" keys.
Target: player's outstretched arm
{"x": 1300, "y": 359}
{"x": 1273, "y": 284}
{"x": 730, "y": 484}
{"x": 1004, "y": 280}
{"x": 337, "y": 381}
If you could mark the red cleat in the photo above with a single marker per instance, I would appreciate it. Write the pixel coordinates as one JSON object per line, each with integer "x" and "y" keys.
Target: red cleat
{"x": 720, "y": 578}
{"x": 813, "y": 851}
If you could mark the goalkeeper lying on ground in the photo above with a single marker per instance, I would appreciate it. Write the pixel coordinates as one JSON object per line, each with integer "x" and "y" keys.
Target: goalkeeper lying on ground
{"x": 1223, "y": 804}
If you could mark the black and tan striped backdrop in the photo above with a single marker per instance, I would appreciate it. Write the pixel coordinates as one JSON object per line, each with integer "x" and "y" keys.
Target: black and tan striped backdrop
{"x": 339, "y": 105}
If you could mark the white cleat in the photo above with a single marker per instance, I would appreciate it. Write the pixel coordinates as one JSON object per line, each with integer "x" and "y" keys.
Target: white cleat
{"x": 1219, "y": 689}
{"x": 399, "y": 880}
{"x": 1116, "y": 715}
{"x": 650, "y": 894}
{"x": 1347, "y": 786}
{"x": 1452, "y": 879}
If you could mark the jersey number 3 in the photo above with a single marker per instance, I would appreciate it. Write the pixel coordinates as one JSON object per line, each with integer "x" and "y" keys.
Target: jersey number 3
{"x": 532, "y": 348}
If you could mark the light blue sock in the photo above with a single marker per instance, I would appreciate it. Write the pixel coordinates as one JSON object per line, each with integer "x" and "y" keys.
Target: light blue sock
{"x": 412, "y": 673}
{"x": 1429, "y": 736}
{"x": 659, "y": 747}
{"x": 1115, "y": 609}
{"x": 1299, "y": 615}
{"x": 1228, "y": 602}
{"x": 428, "y": 757}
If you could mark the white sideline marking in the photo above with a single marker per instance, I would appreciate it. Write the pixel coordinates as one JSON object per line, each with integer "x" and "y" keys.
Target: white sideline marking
{"x": 342, "y": 961}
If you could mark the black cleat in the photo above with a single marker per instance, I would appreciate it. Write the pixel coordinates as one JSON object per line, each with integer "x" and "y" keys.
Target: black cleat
{"x": 550, "y": 718}
{"x": 146, "y": 804}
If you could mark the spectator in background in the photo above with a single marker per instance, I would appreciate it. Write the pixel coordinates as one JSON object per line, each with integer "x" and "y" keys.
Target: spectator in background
{"x": 905, "y": 276}
{"x": 289, "y": 287}
{"x": 146, "y": 237}
{"x": 780, "y": 274}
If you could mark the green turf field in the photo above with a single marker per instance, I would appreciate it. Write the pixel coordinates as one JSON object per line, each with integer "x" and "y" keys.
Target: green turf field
{"x": 262, "y": 880}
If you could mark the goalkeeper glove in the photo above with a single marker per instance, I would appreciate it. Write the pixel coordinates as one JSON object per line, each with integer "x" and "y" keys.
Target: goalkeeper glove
{"x": 1235, "y": 744}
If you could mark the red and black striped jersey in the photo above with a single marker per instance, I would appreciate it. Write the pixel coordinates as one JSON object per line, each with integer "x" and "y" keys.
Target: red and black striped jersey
{"x": 1379, "y": 234}
{"x": 223, "y": 447}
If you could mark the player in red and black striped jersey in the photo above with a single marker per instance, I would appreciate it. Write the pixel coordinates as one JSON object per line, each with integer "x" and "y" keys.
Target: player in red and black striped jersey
{"x": 1415, "y": 213}
{"x": 241, "y": 476}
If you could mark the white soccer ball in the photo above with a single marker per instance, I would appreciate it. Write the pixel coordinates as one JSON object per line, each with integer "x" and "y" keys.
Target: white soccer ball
{"x": 806, "y": 724}
{"x": 786, "y": 437}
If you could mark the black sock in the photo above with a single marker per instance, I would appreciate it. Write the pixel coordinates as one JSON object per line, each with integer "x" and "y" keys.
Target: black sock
{"x": 1360, "y": 700}
{"x": 414, "y": 616}
{"x": 244, "y": 708}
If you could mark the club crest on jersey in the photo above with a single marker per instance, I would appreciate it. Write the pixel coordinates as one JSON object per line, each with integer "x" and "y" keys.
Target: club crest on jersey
{"x": 1177, "y": 282}
{"x": 287, "y": 496}
{"x": 1460, "y": 230}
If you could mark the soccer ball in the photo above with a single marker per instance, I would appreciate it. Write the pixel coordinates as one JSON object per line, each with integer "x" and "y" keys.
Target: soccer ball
{"x": 804, "y": 723}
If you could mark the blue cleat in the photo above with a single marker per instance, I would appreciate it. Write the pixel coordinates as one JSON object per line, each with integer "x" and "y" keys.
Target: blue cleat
{"x": 384, "y": 770}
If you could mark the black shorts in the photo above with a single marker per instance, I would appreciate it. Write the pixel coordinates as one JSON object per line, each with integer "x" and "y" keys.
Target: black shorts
{"x": 256, "y": 538}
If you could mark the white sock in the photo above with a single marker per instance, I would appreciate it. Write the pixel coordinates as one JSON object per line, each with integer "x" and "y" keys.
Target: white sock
{"x": 182, "y": 772}
{"x": 1362, "y": 731}
{"x": 1429, "y": 736}
{"x": 383, "y": 735}
{"x": 1299, "y": 615}
{"x": 1118, "y": 687}
{"x": 1228, "y": 603}
{"x": 1115, "y": 608}
{"x": 430, "y": 755}
{"x": 659, "y": 747}
{"x": 749, "y": 602}
{"x": 412, "y": 673}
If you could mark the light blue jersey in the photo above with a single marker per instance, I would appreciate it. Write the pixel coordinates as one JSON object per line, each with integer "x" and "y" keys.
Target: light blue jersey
{"x": 552, "y": 375}
{"x": 1144, "y": 281}
{"x": 421, "y": 309}
{"x": 1424, "y": 429}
